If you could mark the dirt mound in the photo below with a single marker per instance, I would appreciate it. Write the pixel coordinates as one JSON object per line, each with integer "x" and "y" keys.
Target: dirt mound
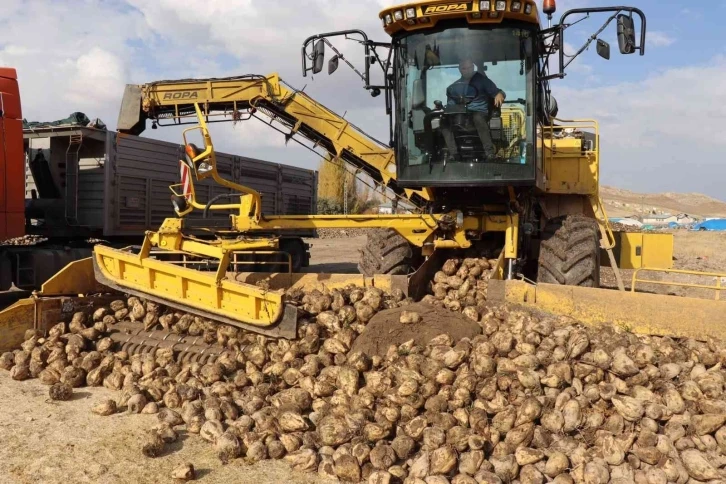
{"x": 385, "y": 329}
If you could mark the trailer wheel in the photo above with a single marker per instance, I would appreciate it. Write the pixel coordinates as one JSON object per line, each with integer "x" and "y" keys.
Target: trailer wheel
{"x": 570, "y": 252}
{"x": 296, "y": 249}
{"x": 387, "y": 252}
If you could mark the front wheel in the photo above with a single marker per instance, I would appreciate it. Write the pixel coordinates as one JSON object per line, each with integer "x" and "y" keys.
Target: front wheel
{"x": 387, "y": 252}
{"x": 569, "y": 253}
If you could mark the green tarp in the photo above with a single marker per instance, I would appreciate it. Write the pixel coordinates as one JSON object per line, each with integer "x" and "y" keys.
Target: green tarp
{"x": 75, "y": 119}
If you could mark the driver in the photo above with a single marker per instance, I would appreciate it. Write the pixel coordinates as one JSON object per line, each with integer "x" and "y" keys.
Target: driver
{"x": 477, "y": 88}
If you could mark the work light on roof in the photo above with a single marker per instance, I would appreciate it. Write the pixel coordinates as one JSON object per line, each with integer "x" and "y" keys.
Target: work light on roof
{"x": 389, "y": 20}
{"x": 528, "y": 9}
{"x": 410, "y": 12}
{"x": 500, "y": 6}
{"x": 516, "y": 6}
{"x": 485, "y": 5}
{"x": 398, "y": 15}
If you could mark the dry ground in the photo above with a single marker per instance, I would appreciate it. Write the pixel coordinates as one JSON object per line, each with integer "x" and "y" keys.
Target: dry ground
{"x": 619, "y": 202}
{"x": 61, "y": 442}
{"x": 335, "y": 256}
{"x": 693, "y": 251}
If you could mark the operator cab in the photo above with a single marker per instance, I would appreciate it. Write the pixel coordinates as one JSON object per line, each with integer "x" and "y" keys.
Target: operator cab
{"x": 450, "y": 127}
{"x": 467, "y": 86}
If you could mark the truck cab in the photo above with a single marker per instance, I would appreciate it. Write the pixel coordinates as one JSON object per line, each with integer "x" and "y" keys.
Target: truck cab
{"x": 12, "y": 165}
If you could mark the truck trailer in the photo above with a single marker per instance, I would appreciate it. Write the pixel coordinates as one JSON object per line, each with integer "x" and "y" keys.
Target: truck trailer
{"x": 69, "y": 187}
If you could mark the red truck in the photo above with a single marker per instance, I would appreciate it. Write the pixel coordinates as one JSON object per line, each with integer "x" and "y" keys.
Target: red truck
{"x": 12, "y": 157}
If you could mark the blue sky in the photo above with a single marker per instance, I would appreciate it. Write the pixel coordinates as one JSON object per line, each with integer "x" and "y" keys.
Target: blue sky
{"x": 660, "y": 114}
{"x": 678, "y": 36}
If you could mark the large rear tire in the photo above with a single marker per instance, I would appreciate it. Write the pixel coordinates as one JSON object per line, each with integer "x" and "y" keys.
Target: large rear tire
{"x": 387, "y": 252}
{"x": 569, "y": 253}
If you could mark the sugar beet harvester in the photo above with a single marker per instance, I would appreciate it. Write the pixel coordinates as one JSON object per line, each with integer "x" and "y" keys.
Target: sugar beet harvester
{"x": 531, "y": 190}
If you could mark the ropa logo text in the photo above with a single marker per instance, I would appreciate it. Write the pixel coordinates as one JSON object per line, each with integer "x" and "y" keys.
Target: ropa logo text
{"x": 181, "y": 95}
{"x": 452, "y": 7}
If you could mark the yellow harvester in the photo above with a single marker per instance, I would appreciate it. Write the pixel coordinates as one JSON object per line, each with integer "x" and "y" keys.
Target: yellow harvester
{"x": 476, "y": 151}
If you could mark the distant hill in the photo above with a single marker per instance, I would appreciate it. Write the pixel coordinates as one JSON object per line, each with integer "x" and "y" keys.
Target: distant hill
{"x": 620, "y": 203}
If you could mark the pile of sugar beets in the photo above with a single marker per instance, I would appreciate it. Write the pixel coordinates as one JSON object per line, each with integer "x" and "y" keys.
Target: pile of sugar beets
{"x": 531, "y": 399}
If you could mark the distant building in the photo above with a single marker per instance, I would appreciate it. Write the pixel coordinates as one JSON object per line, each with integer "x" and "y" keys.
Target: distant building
{"x": 630, "y": 221}
{"x": 685, "y": 219}
{"x": 659, "y": 219}
{"x": 666, "y": 219}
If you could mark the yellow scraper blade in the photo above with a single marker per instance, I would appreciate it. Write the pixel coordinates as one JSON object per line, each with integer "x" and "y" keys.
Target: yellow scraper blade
{"x": 239, "y": 304}
{"x": 642, "y": 313}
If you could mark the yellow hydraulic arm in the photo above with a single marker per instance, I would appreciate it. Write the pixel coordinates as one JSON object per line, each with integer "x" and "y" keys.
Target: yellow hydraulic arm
{"x": 238, "y": 98}
{"x": 214, "y": 295}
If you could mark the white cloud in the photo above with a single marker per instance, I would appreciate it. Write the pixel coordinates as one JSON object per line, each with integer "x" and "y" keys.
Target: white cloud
{"x": 98, "y": 78}
{"x": 662, "y": 133}
{"x": 70, "y": 56}
{"x": 659, "y": 39}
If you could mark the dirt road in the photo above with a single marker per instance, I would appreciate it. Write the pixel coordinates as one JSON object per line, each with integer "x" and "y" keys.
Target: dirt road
{"x": 335, "y": 255}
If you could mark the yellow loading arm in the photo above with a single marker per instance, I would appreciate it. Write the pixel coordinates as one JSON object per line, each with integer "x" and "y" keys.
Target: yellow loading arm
{"x": 207, "y": 100}
{"x": 212, "y": 294}
{"x": 238, "y": 98}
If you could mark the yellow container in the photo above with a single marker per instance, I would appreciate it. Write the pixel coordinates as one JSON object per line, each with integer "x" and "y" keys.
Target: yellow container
{"x": 642, "y": 250}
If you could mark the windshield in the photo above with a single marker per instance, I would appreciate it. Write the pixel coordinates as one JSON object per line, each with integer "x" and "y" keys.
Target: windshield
{"x": 465, "y": 105}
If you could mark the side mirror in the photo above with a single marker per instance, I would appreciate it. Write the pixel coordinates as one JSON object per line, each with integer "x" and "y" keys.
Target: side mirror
{"x": 333, "y": 64}
{"x": 603, "y": 49}
{"x": 418, "y": 96}
{"x": 626, "y": 34}
{"x": 318, "y": 56}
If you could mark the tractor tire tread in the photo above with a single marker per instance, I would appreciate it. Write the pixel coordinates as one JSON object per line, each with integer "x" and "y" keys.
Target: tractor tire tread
{"x": 386, "y": 252}
{"x": 570, "y": 252}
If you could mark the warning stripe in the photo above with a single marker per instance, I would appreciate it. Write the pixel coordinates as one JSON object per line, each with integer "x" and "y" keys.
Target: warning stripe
{"x": 185, "y": 179}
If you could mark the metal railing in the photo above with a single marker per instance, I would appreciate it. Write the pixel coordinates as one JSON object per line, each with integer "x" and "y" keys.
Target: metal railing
{"x": 717, "y": 287}
{"x": 581, "y": 126}
{"x": 262, "y": 252}
{"x": 235, "y": 262}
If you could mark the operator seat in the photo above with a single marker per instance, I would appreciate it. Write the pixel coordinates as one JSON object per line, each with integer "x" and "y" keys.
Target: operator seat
{"x": 465, "y": 133}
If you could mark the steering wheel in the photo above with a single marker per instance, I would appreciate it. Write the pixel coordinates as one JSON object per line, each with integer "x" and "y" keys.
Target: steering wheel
{"x": 467, "y": 97}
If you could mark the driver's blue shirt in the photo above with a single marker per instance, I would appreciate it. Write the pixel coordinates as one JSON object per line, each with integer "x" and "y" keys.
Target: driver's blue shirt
{"x": 479, "y": 85}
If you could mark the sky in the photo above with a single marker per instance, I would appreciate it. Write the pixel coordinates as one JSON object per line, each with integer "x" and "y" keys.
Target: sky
{"x": 660, "y": 114}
